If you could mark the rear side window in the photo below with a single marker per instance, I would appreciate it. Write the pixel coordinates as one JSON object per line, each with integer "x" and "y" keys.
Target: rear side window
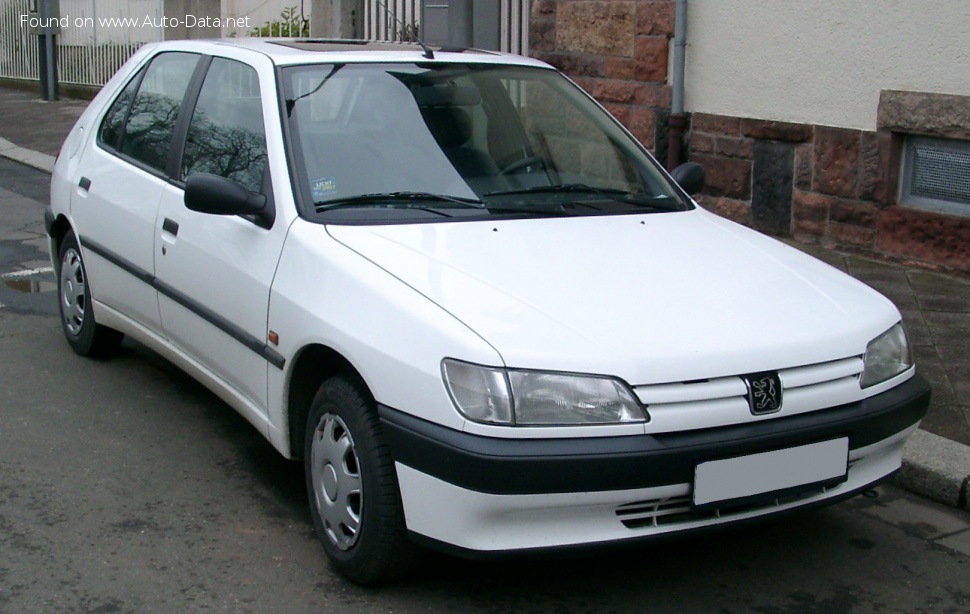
{"x": 226, "y": 135}
{"x": 111, "y": 126}
{"x": 151, "y": 121}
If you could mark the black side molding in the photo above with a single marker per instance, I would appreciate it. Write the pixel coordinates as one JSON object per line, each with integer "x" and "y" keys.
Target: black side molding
{"x": 272, "y": 356}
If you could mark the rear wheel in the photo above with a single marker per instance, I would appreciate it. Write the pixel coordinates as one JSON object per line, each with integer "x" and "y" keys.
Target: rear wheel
{"x": 354, "y": 496}
{"x": 86, "y": 337}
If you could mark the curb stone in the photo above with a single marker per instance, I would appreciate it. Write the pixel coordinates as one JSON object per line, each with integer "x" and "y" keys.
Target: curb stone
{"x": 936, "y": 468}
{"x": 34, "y": 159}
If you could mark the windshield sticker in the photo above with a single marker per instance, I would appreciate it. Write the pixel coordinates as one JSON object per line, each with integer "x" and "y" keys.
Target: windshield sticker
{"x": 323, "y": 188}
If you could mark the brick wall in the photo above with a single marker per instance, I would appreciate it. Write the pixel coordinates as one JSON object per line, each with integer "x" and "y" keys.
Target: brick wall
{"x": 615, "y": 50}
{"x": 819, "y": 184}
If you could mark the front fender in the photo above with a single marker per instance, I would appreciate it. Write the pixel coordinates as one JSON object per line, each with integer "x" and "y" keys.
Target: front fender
{"x": 325, "y": 293}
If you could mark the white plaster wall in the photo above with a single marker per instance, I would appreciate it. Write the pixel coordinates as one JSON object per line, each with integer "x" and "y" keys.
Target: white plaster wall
{"x": 822, "y": 62}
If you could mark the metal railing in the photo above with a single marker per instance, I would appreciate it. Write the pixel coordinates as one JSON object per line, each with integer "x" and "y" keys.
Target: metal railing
{"x": 392, "y": 20}
{"x": 401, "y": 20}
{"x": 96, "y": 38}
{"x": 102, "y": 35}
{"x": 18, "y": 47}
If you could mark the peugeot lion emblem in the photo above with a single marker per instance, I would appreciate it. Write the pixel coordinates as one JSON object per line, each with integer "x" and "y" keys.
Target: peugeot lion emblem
{"x": 764, "y": 392}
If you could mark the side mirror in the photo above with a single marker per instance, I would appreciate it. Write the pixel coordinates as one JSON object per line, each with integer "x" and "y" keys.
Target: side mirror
{"x": 690, "y": 176}
{"x": 207, "y": 193}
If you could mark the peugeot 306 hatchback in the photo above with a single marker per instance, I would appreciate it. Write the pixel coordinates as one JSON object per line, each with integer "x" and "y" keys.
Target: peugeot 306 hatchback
{"x": 476, "y": 308}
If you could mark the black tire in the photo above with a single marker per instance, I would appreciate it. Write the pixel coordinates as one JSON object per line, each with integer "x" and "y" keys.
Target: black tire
{"x": 344, "y": 424}
{"x": 86, "y": 337}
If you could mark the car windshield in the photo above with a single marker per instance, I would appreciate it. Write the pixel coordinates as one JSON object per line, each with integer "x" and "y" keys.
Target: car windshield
{"x": 413, "y": 142}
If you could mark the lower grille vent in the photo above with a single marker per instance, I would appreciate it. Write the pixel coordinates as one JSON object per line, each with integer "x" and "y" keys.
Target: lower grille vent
{"x": 654, "y": 513}
{"x": 676, "y": 510}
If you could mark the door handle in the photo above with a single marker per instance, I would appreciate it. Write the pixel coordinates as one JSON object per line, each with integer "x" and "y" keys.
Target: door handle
{"x": 84, "y": 183}
{"x": 170, "y": 226}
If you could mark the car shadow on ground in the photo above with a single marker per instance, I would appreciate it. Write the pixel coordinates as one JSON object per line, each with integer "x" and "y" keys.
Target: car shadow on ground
{"x": 256, "y": 459}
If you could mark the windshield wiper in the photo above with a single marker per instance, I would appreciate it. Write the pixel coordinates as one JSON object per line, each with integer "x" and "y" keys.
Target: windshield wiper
{"x": 566, "y": 187}
{"x": 657, "y": 202}
{"x": 545, "y": 209}
{"x": 398, "y": 199}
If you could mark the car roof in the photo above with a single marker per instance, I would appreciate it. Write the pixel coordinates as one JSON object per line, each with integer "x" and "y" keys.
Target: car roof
{"x": 287, "y": 51}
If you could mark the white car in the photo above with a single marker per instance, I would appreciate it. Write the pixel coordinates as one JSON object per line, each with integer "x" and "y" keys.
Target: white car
{"x": 470, "y": 301}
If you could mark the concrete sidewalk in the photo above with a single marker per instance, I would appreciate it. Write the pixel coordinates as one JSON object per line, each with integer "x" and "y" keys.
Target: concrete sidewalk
{"x": 935, "y": 308}
{"x": 34, "y": 124}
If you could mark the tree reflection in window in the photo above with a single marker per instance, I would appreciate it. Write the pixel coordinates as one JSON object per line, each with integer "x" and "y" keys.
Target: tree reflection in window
{"x": 151, "y": 120}
{"x": 226, "y": 135}
{"x": 112, "y": 124}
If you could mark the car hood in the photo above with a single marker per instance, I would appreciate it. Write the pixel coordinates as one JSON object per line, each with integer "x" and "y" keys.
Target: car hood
{"x": 650, "y": 298}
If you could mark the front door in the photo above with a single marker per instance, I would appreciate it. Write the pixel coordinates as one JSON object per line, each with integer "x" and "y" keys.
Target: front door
{"x": 214, "y": 272}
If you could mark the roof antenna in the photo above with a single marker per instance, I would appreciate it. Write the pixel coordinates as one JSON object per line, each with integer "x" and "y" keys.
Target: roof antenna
{"x": 407, "y": 31}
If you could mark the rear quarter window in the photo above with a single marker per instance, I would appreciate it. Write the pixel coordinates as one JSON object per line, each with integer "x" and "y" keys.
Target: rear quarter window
{"x": 111, "y": 127}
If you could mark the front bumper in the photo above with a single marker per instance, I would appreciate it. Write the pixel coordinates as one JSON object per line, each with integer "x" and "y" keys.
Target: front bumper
{"x": 482, "y": 494}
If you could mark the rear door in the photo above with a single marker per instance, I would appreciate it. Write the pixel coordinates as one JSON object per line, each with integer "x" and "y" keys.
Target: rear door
{"x": 118, "y": 186}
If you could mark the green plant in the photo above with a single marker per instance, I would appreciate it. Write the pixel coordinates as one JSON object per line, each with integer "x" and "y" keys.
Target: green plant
{"x": 410, "y": 33}
{"x": 290, "y": 24}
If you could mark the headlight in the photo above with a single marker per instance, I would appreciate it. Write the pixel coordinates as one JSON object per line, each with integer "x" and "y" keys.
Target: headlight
{"x": 886, "y": 356}
{"x": 533, "y": 398}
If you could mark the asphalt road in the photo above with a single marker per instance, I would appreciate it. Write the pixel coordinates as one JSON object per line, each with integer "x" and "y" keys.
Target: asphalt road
{"x": 127, "y": 487}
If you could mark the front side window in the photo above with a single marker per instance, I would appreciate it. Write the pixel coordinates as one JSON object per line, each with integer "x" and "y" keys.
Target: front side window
{"x": 449, "y": 138}
{"x": 151, "y": 121}
{"x": 226, "y": 135}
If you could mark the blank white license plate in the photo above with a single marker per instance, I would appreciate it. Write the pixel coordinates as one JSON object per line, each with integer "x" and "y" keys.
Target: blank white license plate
{"x": 757, "y": 474}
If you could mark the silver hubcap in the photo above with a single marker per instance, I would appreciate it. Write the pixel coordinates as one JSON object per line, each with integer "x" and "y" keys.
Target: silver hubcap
{"x": 337, "y": 488}
{"x": 72, "y": 291}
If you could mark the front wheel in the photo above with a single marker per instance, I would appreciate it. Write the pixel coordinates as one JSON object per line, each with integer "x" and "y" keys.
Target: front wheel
{"x": 354, "y": 496}
{"x": 86, "y": 337}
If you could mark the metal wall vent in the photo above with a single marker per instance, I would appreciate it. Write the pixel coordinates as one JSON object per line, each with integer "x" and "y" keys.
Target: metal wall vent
{"x": 937, "y": 175}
